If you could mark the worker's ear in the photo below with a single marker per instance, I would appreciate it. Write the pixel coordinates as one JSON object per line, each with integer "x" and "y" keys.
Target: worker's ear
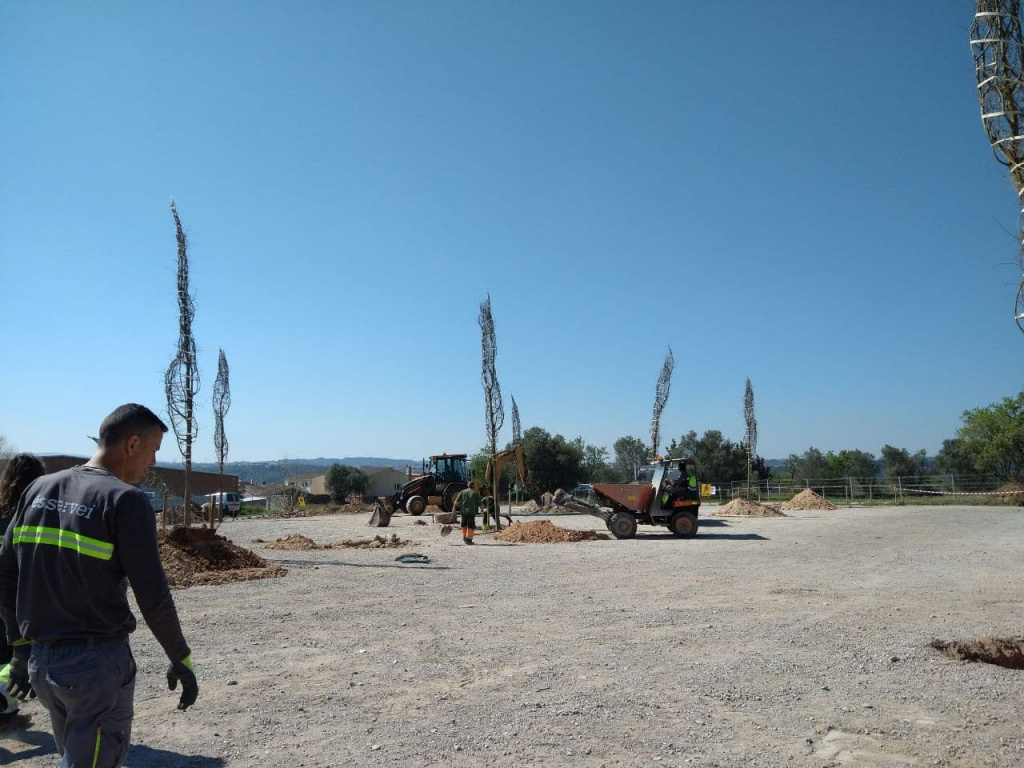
{"x": 132, "y": 444}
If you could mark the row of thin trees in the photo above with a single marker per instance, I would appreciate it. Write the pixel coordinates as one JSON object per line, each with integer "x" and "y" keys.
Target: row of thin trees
{"x": 182, "y": 380}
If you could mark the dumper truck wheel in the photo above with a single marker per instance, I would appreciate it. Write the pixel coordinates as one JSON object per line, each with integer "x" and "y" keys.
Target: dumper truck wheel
{"x": 623, "y": 525}
{"x": 415, "y": 506}
{"x": 683, "y": 524}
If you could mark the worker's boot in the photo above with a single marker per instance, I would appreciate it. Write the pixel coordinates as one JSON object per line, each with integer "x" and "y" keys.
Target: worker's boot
{"x": 468, "y": 536}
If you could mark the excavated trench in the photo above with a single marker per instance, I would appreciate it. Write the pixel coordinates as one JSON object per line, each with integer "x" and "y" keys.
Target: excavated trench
{"x": 1002, "y": 651}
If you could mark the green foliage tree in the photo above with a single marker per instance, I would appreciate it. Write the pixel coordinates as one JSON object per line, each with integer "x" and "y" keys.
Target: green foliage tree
{"x": 553, "y": 461}
{"x": 837, "y": 464}
{"x": 761, "y": 469}
{"x": 850, "y": 465}
{"x": 899, "y": 462}
{"x": 687, "y": 446}
{"x": 594, "y": 463}
{"x": 994, "y": 436}
{"x": 478, "y": 464}
{"x": 342, "y": 480}
{"x": 478, "y": 469}
{"x": 718, "y": 458}
{"x": 862, "y": 465}
{"x": 812, "y": 465}
{"x": 954, "y": 458}
{"x": 630, "y": 454}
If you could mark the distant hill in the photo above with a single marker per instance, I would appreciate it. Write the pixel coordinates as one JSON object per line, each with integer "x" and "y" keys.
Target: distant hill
{"x": 272, "y": 472}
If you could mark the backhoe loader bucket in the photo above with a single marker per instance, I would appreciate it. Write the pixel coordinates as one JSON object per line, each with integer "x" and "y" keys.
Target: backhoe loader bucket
{"x": 381, "y": 517}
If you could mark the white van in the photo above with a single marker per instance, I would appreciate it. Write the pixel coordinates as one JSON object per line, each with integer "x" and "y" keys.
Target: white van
{"x": 228, "y": 502}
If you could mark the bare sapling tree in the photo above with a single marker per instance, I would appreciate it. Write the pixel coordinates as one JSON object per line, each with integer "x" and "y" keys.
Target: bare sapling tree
{"x": 494, "y": 408}
{"x": 997, "y": 45}
{"x": 221, "y": 405}
{"x": 750, "y": 439}
{"x": 517, "y": 427}
{"x": 661, "y": 391}
{"x": 181, "y": 381}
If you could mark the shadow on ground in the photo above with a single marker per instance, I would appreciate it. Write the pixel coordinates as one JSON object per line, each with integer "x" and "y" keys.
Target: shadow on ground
{"x": 141, "y": 756}
{"x": 318, "y": 563}
{"x": 15, "y": 728}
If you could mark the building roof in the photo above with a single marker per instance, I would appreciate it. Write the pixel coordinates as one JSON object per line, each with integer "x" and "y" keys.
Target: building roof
{"x": 370, "y": 471}
{"x": 202, "y": 483}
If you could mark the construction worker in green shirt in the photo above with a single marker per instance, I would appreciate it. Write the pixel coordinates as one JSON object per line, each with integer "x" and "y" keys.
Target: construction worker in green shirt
{"x": 467, "y": 503}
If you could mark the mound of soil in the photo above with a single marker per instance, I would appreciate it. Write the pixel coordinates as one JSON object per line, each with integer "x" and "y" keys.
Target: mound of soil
{"x": 194, "y": 556}
{"x": 808, "y": 499}
{"x": 1003, "y": 651}
{"x": 298, "y": 541}
{"x": 748, "y": 508}
{"x": 291, "y": 541}
{"x": 545, "y": 532}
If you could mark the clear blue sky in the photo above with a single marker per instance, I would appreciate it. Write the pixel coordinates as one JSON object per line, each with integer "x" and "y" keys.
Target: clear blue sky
{"x": 796, "y": 192}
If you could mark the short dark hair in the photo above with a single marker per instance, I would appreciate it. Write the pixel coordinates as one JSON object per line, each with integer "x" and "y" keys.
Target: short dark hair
{"x": 127, "y": 420}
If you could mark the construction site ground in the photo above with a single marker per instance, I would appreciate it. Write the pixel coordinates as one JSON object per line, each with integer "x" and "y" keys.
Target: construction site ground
{"x": 797, "y": 640}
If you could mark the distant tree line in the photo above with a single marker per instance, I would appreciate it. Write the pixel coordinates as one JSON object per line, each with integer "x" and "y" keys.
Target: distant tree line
{"x": 990, "y": 441}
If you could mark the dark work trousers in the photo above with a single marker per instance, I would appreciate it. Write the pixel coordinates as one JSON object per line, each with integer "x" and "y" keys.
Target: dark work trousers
{"x": 468, "y": 526}
{"x": 89, "y": 689}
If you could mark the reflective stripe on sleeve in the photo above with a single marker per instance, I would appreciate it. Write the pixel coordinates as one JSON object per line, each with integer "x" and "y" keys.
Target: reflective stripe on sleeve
{"x": 83, "y": 545}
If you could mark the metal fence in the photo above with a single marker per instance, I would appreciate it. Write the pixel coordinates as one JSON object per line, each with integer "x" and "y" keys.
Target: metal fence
{"x": 899, "y": 490}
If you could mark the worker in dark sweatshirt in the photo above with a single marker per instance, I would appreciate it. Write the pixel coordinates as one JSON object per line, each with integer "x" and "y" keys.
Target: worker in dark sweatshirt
{"x": 78, "y": 538}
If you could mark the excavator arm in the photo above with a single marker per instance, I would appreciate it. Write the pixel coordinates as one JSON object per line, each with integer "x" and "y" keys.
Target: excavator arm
{"x": 498, "y": 462}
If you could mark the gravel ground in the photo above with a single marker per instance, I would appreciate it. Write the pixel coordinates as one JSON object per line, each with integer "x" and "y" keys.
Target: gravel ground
{"x": 789, "y": 641}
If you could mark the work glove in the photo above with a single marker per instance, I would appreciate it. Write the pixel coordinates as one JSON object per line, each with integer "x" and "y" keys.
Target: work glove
{"x": 185, "y": 672}
{"x": 19, "y": 687}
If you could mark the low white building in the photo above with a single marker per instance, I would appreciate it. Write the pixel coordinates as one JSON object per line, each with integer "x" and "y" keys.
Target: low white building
{"x": 384, "y": 481}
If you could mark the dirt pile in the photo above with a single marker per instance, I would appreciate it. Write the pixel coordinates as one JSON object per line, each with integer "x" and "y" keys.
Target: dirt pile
{"x": 193, "y": 556}
{"x": 291, "y": 541}
{"x": 545, "y": 532}
{"x": 808, "y": 499}
{"x": 298, "y": 541}
{"x": 1002, "y": 651}
{"x": 748, "y": 508}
